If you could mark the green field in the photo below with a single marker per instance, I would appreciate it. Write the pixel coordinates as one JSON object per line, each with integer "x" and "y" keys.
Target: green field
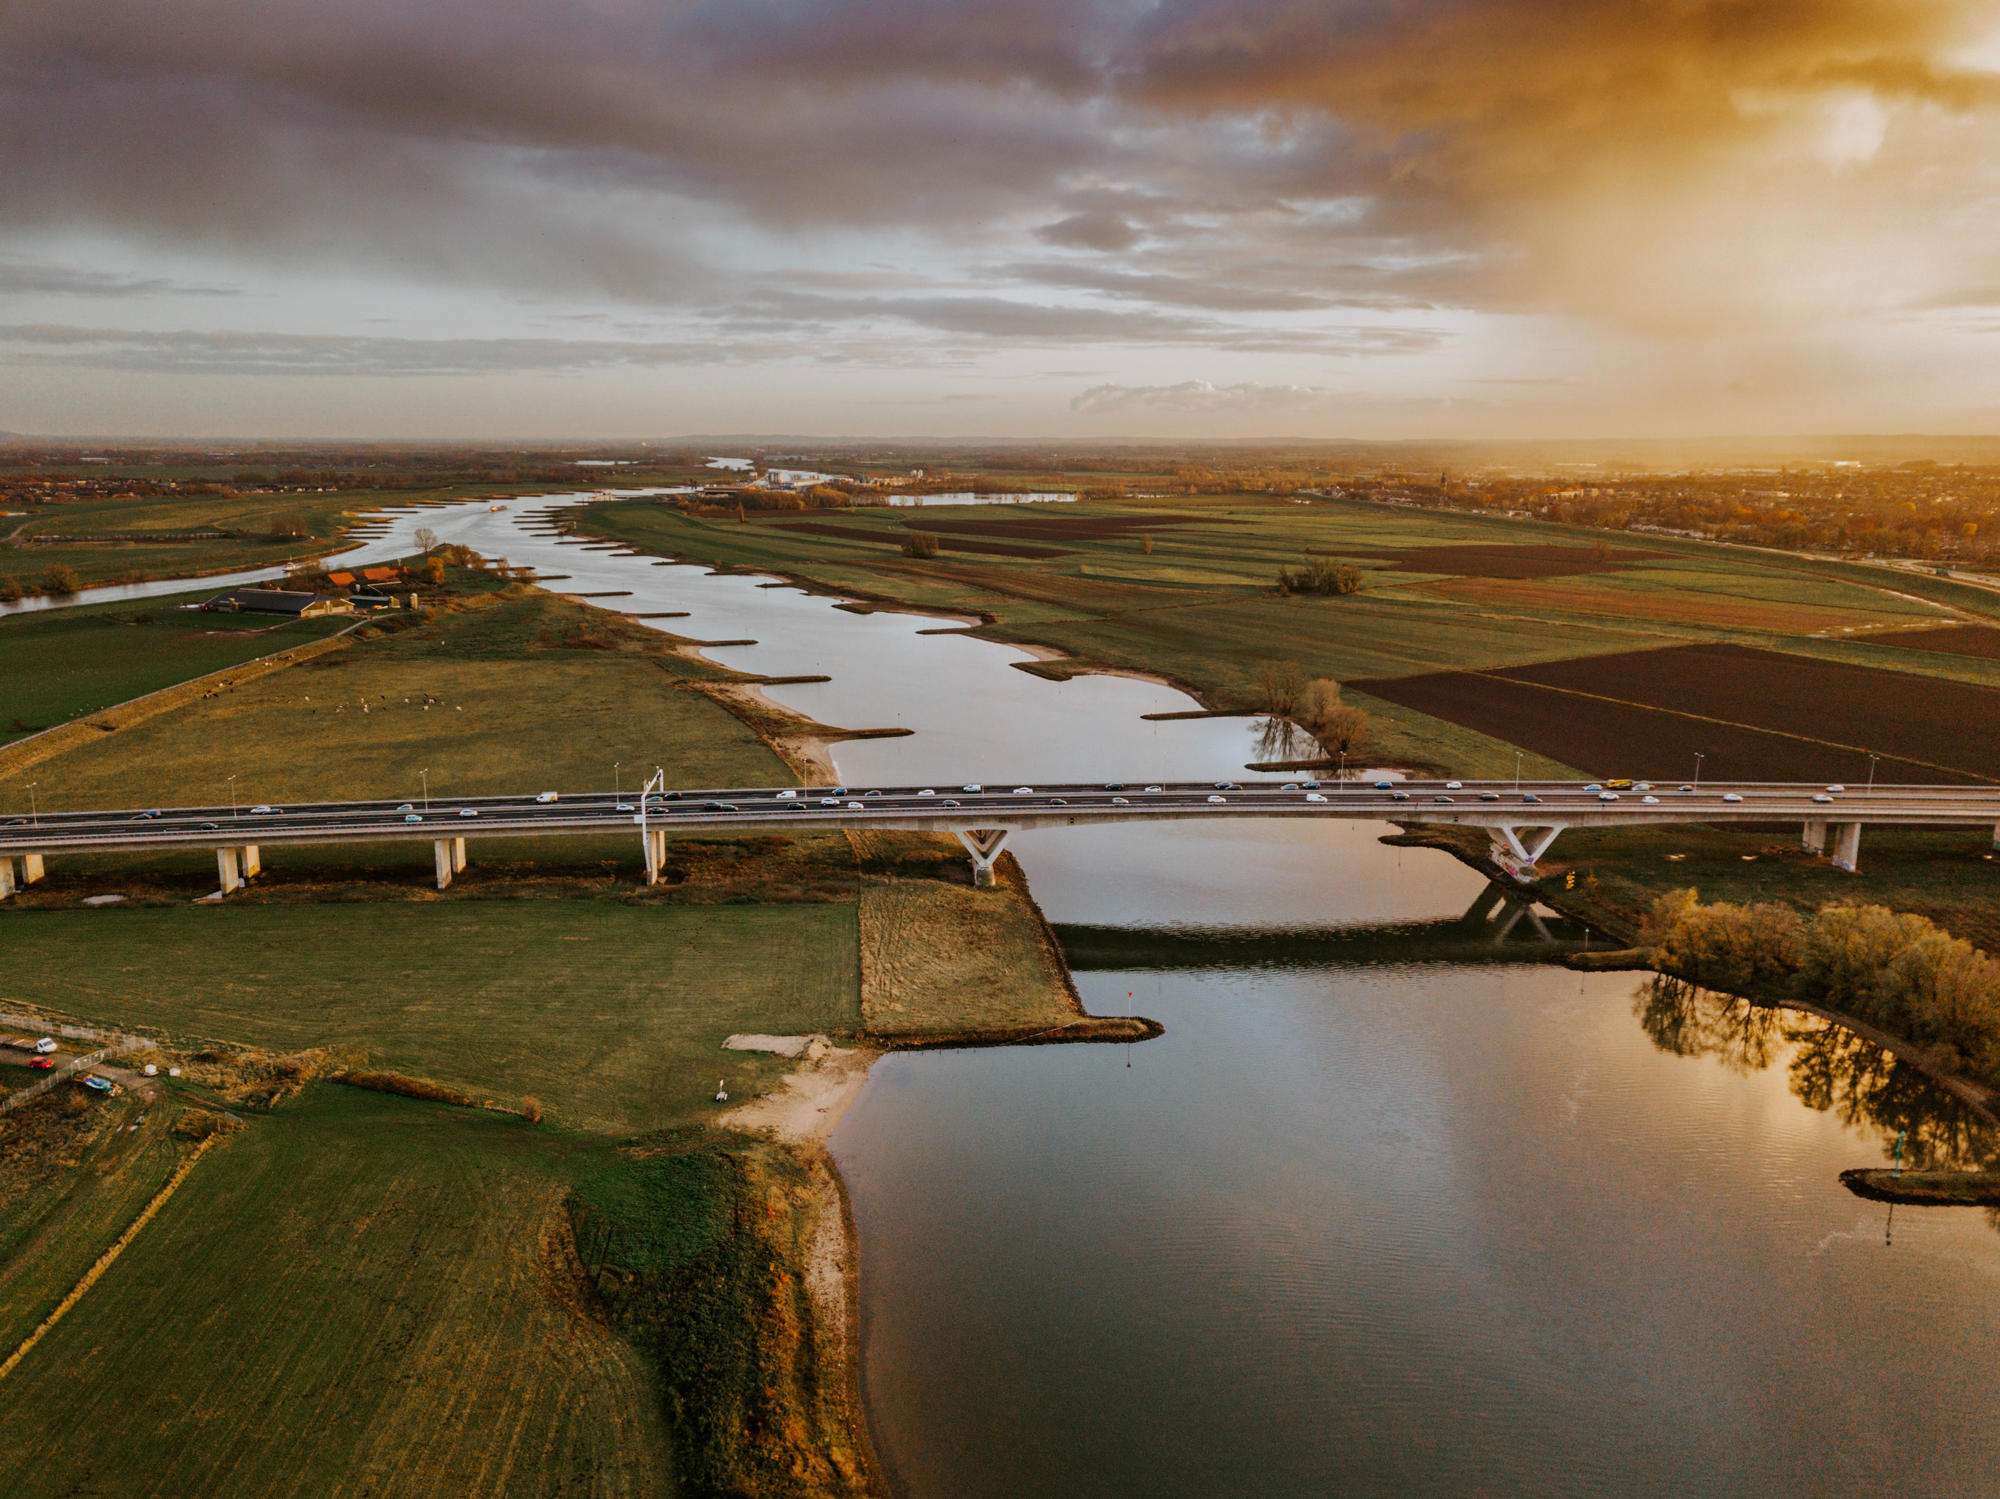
{"x": 514, "y": 690}
{"x": 357, "y": 1294}
{"x": 58, "y": 664}
{"x": 612, "y": 1015}
{"x": 1200, "y": 607}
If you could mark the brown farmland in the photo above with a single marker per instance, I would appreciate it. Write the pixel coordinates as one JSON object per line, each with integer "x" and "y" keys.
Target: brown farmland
{"x": 1671, "y": 606}
{"x": 1952, "y": 640}
{"x": 1753, "y": 715}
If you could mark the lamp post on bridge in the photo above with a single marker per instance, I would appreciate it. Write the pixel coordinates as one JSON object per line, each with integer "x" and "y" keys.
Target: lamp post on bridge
{"x": 1697, "y": 769}
{"x": 1871, "y": 771}
{"x": 1517, "y": 770}
{"x": 232, "y": 796}
{"x": 34, "y": 808}
{"x": 425, "y": 774}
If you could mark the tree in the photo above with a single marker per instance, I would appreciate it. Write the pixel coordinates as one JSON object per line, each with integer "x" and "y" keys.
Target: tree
{"x": 10, "y": 590}
{"x": 920, "y": 544}
{"x": 60, "y": 579}
{"x": 1340, "y": 728}
{"x": 1320, "y": 576}
{"x": 288, "y": 526}
{"x": 427, "y": 539}
{"x": 1280, "y": 685}
{"x": 434, "y": 570}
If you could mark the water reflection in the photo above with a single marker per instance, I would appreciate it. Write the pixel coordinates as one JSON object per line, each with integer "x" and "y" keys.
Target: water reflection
{"x": 1830, "y": 1069}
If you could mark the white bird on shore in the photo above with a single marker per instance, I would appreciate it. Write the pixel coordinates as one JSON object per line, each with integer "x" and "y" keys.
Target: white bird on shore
{"x": 720, "y": 1095}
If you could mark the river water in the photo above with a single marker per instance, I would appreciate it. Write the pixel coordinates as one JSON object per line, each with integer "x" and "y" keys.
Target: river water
{"x": 1391, "y": 1208}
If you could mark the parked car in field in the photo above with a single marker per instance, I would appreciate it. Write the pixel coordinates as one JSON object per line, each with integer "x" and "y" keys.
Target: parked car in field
{"x": 46, "y": 1045}
{"x": 97, "y": 1084}
{"x": 43, "y": 1064}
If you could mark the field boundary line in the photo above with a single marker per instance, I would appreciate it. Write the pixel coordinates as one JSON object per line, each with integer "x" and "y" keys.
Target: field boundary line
{"x": 1492, "y": 675}
{"x": 105, "y": 1260}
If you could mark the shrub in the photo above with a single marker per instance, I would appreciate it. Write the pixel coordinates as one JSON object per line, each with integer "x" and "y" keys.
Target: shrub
{"x": 1725, "y": 946}
{"x": 1340, "y": 728}
{"x": 531, "y": 1110}
{"x": 60, "y": 579}
{"x": 10, "y": 590}
{"x": 1321, "y": 577}
{"x": 408, "y": 1087}
{"x": 920, "y": 544}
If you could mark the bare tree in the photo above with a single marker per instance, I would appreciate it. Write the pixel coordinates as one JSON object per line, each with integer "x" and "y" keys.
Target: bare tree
{"x": 1279, "y": 687}
{"x": 427, "y": 539}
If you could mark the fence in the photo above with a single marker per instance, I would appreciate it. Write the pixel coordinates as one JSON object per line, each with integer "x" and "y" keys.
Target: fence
{"x": 36, "y": 1090}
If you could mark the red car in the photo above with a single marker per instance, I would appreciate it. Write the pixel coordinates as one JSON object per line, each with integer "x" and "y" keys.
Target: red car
{"x": 42, "y": 1064}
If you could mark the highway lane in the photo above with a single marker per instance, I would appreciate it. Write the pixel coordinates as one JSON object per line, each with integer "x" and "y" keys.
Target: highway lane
{"x": 991, "y": 805}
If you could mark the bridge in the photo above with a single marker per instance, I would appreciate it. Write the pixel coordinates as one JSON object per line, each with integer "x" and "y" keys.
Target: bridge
{"x": 1522, "y": 819}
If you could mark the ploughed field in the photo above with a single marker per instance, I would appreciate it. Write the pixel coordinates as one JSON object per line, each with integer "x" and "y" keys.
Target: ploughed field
{"x": 1752, "y": 714}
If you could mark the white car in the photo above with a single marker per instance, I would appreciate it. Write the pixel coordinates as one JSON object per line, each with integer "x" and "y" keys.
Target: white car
{"x": 854, "y": 806}
{"x": 927, "y": 792}
{"x": 1607, "y": 796}
{"x": 1730, "y": 796}
{"x": 406, "y": 807}
{"x": 1454, "y": 786}
{"x": 1218, "y": 798}
{"x": 1821, "y": 796}
{"x": 1119, "y": 801}
{"x": 44, "y": 1046}
{"x": 1651, "y": 801}
{"x": 621, "y": 807}
{"x": 974, "y": 787}
{"x": 1836, "y": 788}
{"x": 413, "y": 818}
{"x": 260, "y": 811}
{"x": 1314, "y": 796}
{"x": 474, "y": 811}
{"x": 546, "y": 796}
{"x": 1024, "y": 791}
{"x": 1152, "y": 788}
{"x": 786, "y": 796}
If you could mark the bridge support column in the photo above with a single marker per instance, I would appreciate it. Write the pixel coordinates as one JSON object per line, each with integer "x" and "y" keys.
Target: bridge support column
{"x": 1517, "y": 855}
{"x": 1847, "y": 846}
{"x": 1812, "y": 837}
{"x": 31, "y": 868}
{"x": 656, "y": 854}
{"x": 458, "y": 856}
{"x": 985, "y": 846}
{"x": 442, "y": 851}
{"x": 230, "y": 872}
{"x": 6, "y": 878}
{"x": 253, "y": 863}
{"x": 1996, "y": 835}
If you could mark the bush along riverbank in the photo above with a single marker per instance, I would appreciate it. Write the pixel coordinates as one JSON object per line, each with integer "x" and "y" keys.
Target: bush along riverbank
{"x": 699, "y": 1245}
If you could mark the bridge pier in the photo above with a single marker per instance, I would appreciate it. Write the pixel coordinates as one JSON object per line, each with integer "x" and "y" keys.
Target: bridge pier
{"x": 442, "y": 854}
{"x": 985, "y": 846}
{"x": 253, "y": 863}
{"x": 1847, "y": 846}
{"x": 6, "y": 878}
{"x": 1518, "y": 858}
{"x": 1812, "y": 837}
{"x": 656, "y": 854}
{"x": 31, "y": 868}
{"x": 229, "y": 870}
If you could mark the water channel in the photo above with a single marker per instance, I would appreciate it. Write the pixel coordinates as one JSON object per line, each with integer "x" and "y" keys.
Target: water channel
{"x": 1391, "y": 1208}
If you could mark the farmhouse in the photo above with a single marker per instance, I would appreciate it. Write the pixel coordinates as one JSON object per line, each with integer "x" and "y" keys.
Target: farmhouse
{"x": 277, "y": 601}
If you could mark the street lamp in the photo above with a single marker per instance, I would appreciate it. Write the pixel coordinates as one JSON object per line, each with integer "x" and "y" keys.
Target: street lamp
{"x": 1871, "y": 771}
{"x": 425, "y": 773}
{"x": 1697, "y": 768}
{"x": 34, "y": 810}
{"x": 232, "y": 796}
{"x": 1517, "y": 770}
{"x": 616, "y": 784}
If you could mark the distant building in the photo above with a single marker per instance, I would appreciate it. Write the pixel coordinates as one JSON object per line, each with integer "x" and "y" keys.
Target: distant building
{"x": 277, "y": 601}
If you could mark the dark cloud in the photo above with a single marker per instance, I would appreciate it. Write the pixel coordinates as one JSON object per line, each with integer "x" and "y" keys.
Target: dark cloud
{"x": 17, "y": 279}
{"x": 1120, "y": 165}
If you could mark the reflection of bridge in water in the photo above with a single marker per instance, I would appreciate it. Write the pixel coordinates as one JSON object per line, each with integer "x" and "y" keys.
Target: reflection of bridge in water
{"x": 1498, "y": 928}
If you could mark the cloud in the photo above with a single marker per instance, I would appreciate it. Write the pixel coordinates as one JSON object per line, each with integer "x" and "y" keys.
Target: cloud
{"x": 1090, "y": 231}
{"x": 27, "y": 279}
{"x": 1198, "y": 396}
{"x": 189, "y": 352}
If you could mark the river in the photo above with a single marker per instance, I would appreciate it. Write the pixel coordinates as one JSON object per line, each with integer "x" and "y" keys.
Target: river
{"x": 1388, "y": 1209}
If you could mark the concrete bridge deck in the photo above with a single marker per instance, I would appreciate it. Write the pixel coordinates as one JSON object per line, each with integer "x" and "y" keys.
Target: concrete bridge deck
{"x": 1523, "y": 819}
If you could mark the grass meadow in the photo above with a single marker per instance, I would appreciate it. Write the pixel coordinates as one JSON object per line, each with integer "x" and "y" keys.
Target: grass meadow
{"x": 59, "y": 664}
{"x": 357, "y": 1294}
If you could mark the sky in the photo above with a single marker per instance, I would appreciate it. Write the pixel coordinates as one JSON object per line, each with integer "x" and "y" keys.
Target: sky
{"x": 528, "y": 219}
